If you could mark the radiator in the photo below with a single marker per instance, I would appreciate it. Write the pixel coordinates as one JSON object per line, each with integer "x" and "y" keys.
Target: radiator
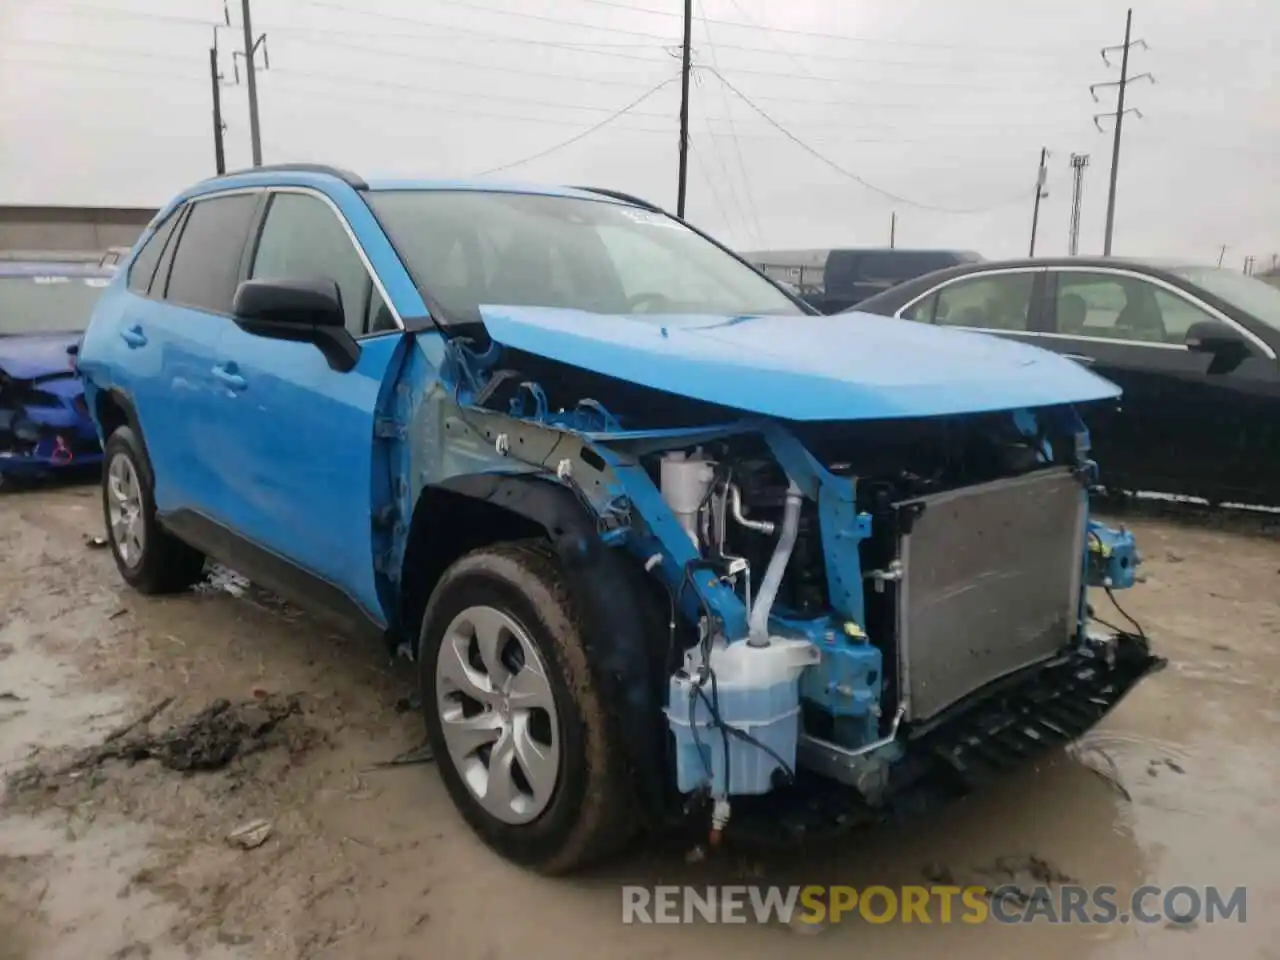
{"x": 990, "y": 584}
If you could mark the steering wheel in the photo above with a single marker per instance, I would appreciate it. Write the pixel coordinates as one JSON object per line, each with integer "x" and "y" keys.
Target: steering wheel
{"x": 656, "y": 298}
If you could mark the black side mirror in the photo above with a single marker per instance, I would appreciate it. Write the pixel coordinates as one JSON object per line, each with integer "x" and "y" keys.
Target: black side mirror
{"x": 1227, "y": 347}
{"x": 307, "y": 311}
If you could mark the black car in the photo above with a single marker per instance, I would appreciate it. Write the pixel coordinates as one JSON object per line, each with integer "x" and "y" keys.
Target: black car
{"x": 1194, "y": 348}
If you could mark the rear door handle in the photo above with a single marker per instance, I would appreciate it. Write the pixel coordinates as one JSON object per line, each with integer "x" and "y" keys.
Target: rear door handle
{"x": 226, "y": 372}
{"x": 1080, "y": 358}
{"x": 134, "y": 336}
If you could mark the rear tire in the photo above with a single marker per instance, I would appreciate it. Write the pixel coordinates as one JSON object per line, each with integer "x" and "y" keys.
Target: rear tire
{"x": 151, "y": 560}
{"x": 524, "y": 742}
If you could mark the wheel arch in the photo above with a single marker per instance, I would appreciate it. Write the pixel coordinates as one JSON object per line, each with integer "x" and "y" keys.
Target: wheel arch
{"x": 112, "y": 409}
{"x": 621, "y": 607}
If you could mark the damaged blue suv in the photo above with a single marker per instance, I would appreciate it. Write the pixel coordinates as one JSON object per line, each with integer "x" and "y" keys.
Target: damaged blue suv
{"x": 667, "y": 547}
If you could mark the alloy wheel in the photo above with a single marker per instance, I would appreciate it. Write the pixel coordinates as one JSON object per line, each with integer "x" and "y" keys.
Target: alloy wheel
{"x": 498, "y": 714}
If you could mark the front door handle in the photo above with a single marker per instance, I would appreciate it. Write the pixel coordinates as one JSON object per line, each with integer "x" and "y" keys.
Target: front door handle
{"x": 1080, "y": 358}
{"x": 227, "y": 374}
{"x": 134, "y": 337}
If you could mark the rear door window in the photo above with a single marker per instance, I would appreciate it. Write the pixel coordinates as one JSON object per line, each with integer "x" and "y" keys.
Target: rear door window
{"x": 206, "y": 265}
{"x": 993, "y": 302}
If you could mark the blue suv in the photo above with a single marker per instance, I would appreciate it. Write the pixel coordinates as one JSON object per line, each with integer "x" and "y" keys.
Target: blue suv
{"x": 666, "y": 546}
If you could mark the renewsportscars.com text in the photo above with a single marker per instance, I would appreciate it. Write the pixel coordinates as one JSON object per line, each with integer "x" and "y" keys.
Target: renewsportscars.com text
{"x": 1066, "y": 904}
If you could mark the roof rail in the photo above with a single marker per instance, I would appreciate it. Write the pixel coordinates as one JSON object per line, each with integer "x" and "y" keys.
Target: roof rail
{"x": 352, "y": 180}
{"x": 619, "y": 195}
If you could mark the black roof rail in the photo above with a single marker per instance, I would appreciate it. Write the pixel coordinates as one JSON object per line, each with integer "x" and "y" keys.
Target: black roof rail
{"x": 352, "y": 180}
{"x": 619, "y": 195}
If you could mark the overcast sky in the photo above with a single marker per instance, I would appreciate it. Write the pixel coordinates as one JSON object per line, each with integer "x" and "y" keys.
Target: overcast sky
{"x": 812, "y": 120}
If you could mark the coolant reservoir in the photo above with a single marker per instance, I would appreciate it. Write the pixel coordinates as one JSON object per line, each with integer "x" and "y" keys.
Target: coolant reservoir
{"x": 757, "y": 691}
{"x": 684, "y": 482}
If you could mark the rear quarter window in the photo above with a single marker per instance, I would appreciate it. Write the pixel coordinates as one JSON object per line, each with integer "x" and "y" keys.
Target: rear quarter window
{"x": 144, "y": 264}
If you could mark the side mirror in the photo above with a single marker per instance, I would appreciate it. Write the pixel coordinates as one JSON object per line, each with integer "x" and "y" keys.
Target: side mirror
{"x": 294, "y": 303}
{"x": 1224, "y": 344}
{"x": 307, "y": 311}
{"x": 1209, "y": 336}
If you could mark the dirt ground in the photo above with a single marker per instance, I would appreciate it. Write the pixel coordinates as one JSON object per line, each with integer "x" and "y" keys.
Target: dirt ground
{"x": 130, "y": 859}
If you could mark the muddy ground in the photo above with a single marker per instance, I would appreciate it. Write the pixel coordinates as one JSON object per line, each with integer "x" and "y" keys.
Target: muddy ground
{"x": 130, "y": 859}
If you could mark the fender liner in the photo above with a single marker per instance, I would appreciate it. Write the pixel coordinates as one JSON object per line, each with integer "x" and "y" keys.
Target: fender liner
{"x": 626, "y": 624}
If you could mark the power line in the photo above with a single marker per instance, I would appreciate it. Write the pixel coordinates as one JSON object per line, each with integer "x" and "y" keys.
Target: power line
{"x": 711, "y": 187}
{"x": 737, "y": 144}
{"x": 95, "y": 68}
{"x": 842, "y": 170}
{"x": 1121, "y": 86}
{"x": 519, "y": 14}
{"x": 402, "y": 104}
{"x": 487, "y": 67}
{"x": 393, "y": 85}
{"x": 300, "y": 85}
{"x": 669, "y": 38}
{"x": 890, "y": 81}
{"x": 95, "y": 9}
{"x": 878, "y": 41}
{"x": 484, "y": 36}
{"x": 579, "y": 136}
{"x": 131, "y": 53}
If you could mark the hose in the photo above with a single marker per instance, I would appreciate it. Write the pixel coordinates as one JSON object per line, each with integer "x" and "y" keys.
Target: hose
{"x": 758, "y": 624}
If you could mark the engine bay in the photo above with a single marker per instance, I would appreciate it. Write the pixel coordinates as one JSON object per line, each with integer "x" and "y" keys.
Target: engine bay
{"x": 839, "y": 590}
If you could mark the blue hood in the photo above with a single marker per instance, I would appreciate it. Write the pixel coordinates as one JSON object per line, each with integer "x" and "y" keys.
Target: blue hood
{"x": 851, "y": 366}
{"x": 24, "y": 357}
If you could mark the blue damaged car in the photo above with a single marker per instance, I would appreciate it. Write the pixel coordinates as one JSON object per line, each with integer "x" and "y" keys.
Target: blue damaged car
{"x": 667, "y": 547}
{"x": 44, "y": 422}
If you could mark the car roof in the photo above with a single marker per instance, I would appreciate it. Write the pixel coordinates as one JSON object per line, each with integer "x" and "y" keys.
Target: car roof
{"x": 321, "y": 175}
{"x": 52, "y": 268}
{"x": 1142, "y": 263}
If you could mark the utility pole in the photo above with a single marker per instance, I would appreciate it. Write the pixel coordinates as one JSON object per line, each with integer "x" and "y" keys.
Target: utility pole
{"x": 1041, "y": 178}
{"x": 685, "y": 66}
{"x": 1248, "y": 265}
{"x": 219, "y": 156}
{"x": 248, "y": 55}
{"x": 1121, "y": 85}
{"x": 1078, "y": 162}
{"x": 893, "y": 229}
{"x": 1222, "y": 252}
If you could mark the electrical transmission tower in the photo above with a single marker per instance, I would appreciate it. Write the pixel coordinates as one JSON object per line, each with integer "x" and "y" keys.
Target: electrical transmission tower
{"x": 1078, "y": 162}
{"x": 1121, "y": 86}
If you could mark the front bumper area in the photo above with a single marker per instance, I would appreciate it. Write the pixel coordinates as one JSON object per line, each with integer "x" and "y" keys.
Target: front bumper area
{"x": 1006, "y": 725}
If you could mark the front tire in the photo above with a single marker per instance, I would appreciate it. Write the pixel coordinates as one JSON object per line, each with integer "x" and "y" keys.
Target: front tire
{"x": 149, "y": 558}
{"x": 523, "y": 740}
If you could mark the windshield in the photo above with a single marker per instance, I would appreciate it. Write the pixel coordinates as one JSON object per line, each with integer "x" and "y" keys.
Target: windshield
{"x": 1253, "y": 296}
{"x": 468, "y": 248}
{"x": 48, "y": 304}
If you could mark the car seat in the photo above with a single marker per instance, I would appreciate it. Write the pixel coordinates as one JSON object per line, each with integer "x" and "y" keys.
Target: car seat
{"x": 1072, "y": 312}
